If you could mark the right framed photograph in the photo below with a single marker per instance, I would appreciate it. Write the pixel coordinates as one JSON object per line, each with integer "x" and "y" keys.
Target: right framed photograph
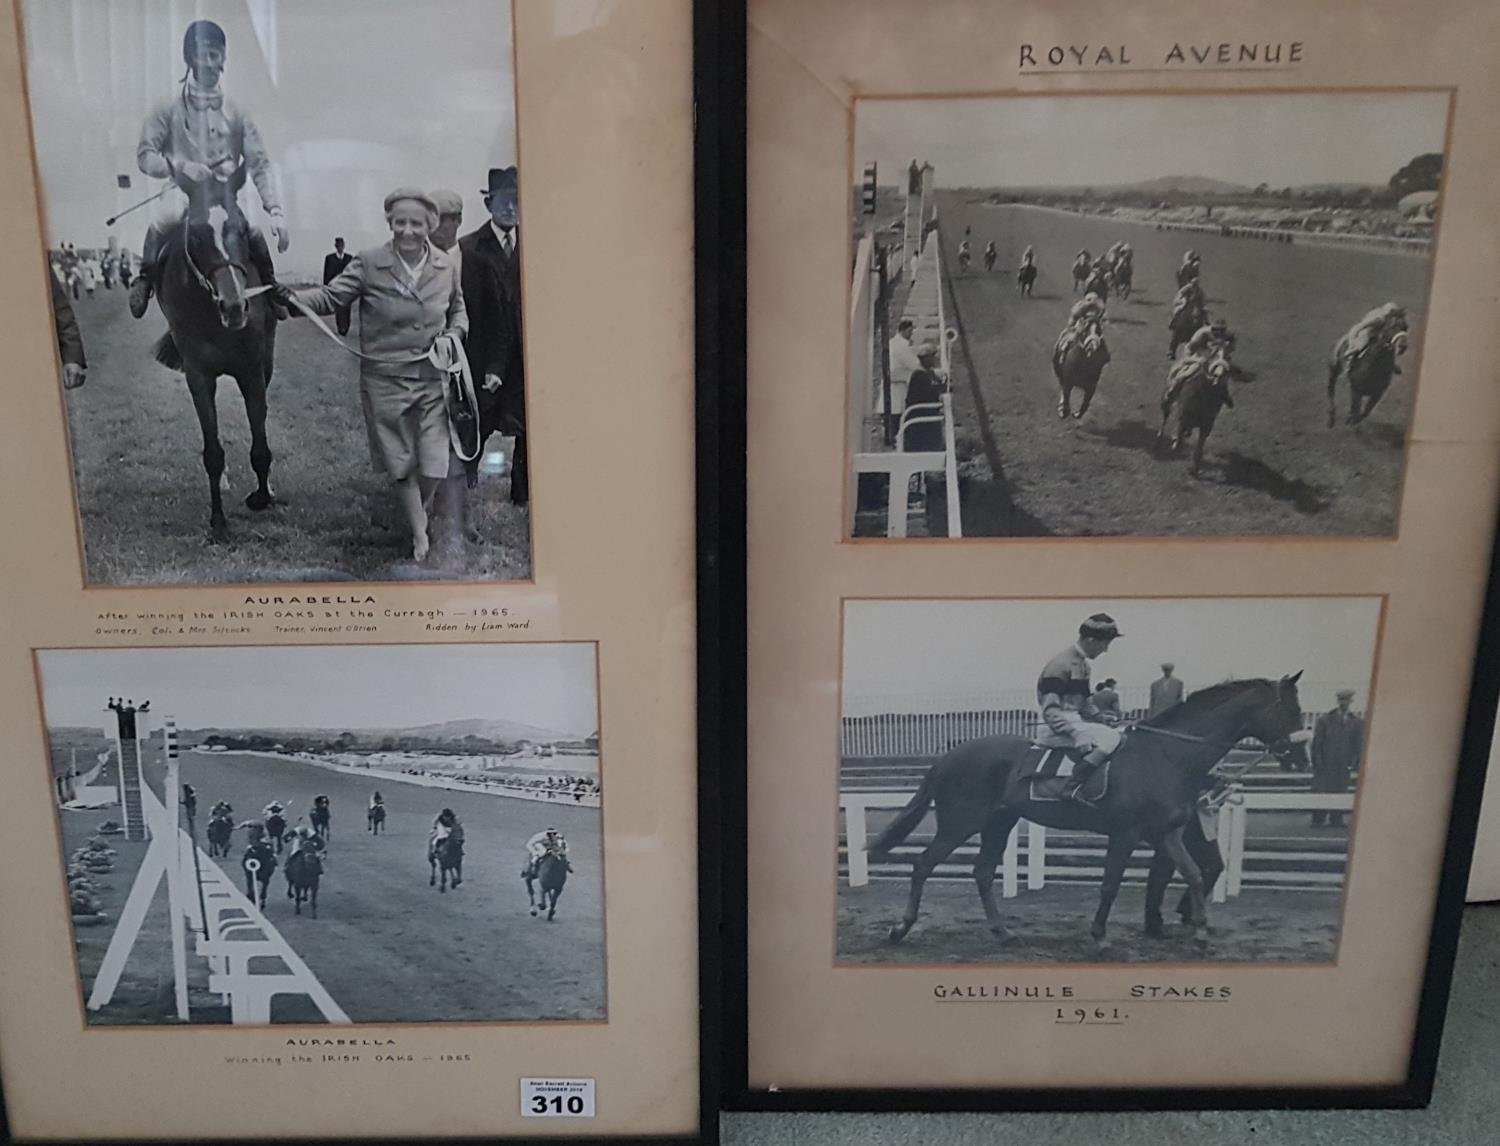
{"x": 1122, "y": 465}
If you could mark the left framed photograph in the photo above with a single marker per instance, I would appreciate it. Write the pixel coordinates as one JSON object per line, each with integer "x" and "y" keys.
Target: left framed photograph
{"x": 346, "y": 776}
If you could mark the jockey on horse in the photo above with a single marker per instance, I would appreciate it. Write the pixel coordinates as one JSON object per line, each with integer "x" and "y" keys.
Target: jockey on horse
{"x": 201, "y": 139}
{"x": 446, "y": 823}
{"x": 1067, "y": 704}
{"x": 991, "y": 255}
{"x": 547, "y": 842}
{"x": 1207, "y": 343}
{"x": 1190, "y": 269}
{"x": 1086, "y": 311}
{"x": 1375, "y": 328}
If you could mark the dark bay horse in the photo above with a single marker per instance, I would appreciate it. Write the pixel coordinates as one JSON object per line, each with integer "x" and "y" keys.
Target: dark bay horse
{"x": 1123, "y": 277}
{"x": 445, "y": 857}
{"x": 258, "y": 863}
{"x": 1026, "y": 278}
{"x": 1082, "y": 265}
{"x": 1198, "y": 399}
{"x": 321, "y": 818}
{"x": 375, "y": 818}
{"x": 214, "y": 329}
{"x": 220, "y": 832}
{"x": 275, "y": 829}
{"x": 1183, "y": 324}
{"x": 1370, "y": 374}
{"x": 1078, "y": 367}
{"x": 552, "y": 875}
{"x": 304, "y": 868}
{"x": 1156, "y": 778}
{"x": 1098, "y": 282}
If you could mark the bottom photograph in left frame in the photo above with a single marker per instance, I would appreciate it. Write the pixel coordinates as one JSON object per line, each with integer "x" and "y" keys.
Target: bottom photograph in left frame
{"x": 329, "y": 834}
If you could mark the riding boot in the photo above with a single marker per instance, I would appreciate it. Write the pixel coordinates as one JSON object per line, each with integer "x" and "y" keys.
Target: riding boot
{"x": 145, "y": 283}
{"x": 260, "y": 257}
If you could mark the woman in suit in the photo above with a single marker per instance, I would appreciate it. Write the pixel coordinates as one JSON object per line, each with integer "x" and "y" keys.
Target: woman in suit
{"x": 409, "y": 295}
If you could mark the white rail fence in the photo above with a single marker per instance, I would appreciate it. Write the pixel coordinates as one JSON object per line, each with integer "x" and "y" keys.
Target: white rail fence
{"x": 1231, "y": 835}
{"x": 927, "y": 310}
{"x": 249, "y": 961}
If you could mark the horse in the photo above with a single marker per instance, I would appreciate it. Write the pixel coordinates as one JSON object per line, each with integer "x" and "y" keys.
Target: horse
{"x": 1082, "y": 265}
{"x": 1187, "y": 272}
{"x": 1155, "y": 780}
{"x": 1123, "y": 277}
{"x": 1183, "y": 324}
{"x": 1199, "y": 398}
{"x": 990, "y": 255}
{"x": 375, "y": 818}
{"x": 1098, "y": 282}
{"x": 214, "y": 328}
{"x": 304, "y": 867}
{"x": 220, "y": 832}
{"x": 963, "y": 257}
{"x": 1370, "y": 374}
{"x": 552, "y": 874}
{"x": 1078, "y": 367}
{"x": 444, "y": 855}
{"x": 258, "y": 863}
{"x": 1026, "y": 278}
{"x": 321, "y": 818}
{"x": 275, "y": 826}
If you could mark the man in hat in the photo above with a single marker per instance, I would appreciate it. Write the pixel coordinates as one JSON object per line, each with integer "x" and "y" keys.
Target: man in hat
{"x": 1338, "y": 743}
{"x": 1165, "y": 691}
{"x": 492, "y": 292}
{"x": 1066, "y": 701}
{"x": 450, "y": 212}
{"x": 333, "y": 266}
{"x": 200, "y": 139}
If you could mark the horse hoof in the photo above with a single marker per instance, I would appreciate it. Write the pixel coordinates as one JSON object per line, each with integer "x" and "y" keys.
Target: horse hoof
{"x": 443, "y": 890}
{"x": 897, "y": 933}
{"x": 259, "y": 501}
{"x": 218, "y": 533}
{"x": 1000, "y": 934}
{"x": 1078, "y": 415}
{"x": 533, "y": 913}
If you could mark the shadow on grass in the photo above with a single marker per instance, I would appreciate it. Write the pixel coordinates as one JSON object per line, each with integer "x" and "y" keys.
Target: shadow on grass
{"x": 1130, "y": 434}
{"x": 1119, "y": 320}
{"x": 1390, "y": 434}
{"x": 1252, "y": 473}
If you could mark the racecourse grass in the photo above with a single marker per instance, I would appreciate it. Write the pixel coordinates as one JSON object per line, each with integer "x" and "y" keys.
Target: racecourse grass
{"x": 143, "y": 495}
{"x": 1272, "y": 466}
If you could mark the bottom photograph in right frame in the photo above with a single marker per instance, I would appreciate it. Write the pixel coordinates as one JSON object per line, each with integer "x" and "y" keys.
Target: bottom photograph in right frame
{"x": 1066, "y": 781}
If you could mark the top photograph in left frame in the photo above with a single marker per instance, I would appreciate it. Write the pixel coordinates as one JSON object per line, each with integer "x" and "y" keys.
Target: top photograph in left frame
{"x": 285, "y": 270}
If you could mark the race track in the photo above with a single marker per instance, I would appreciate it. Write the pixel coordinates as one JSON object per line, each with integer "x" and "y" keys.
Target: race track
{"x": 1273, "y": 466}
{"x": 143, "y": 496}
{"x": 391, "y": 949}
{"x": 1052, "y": 926}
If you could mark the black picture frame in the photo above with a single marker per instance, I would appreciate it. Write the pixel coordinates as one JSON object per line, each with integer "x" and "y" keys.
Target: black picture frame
{"x": 728, "y": 110}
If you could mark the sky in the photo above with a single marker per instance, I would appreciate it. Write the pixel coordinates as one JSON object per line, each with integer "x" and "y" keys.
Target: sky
{"x": 1284, "y": 139}
{"x": 353, "y": 98}
{"x": 550, "y": 686}
{"x": 932, "y": 656}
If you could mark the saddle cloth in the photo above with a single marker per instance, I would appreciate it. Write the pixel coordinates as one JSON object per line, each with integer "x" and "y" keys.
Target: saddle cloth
{"x": 1046, "y": 776}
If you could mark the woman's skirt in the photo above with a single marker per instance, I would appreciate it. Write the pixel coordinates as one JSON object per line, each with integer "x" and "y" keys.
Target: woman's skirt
{"x": 407, "y": 423}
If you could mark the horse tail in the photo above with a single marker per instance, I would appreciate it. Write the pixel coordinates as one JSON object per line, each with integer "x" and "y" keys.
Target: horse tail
{"x": 906, "y": 822}
{"x": 166, "y": 352}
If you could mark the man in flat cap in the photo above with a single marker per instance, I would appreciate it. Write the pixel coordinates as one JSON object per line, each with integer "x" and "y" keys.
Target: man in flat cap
{"x": 333, "y": 266}
{"x": 1067, "y": 703}
{"x": 492, "y": 291}
{"x": 1166, "y": 691}
{"x": 204, "y": 143}
{"x": 450, "y": 212}
{"x": 1337, "y": 745}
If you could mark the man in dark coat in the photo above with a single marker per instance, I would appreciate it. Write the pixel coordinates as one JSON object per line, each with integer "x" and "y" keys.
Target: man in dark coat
{"x": 1166, "y": 691}
{"x": 333, "y": 266}
{"x": 69, "y": 338}
{"x": 492, "y": 293}
{"x": 1337, "y": 744}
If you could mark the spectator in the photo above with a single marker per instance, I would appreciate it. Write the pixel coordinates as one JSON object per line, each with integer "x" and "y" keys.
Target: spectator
{"x": 1337, "y": 745}
{"x": 904, "y": 362}
{"x": 333, "y": 266}
{"x": 69, "y": 338}
{"x": 1165, "y": 691}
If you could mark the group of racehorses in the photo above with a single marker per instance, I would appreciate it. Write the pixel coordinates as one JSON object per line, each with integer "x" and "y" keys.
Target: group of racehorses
{"x": 271, "y": 835}
{"x": 1197, "y": 388}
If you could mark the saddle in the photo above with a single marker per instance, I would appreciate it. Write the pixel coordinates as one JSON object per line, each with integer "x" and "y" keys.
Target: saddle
{"x": 1047, "y": 776}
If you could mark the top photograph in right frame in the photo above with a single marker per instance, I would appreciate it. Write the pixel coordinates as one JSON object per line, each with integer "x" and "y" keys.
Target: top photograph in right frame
{"x": 1194, "y": 314}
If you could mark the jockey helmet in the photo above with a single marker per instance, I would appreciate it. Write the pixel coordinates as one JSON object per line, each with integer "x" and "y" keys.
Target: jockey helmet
{"x": 201, "y": 34}
{"x": 1100, "y": 625}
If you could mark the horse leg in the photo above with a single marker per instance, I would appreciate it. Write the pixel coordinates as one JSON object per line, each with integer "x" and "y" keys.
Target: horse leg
{"x": 1065, "y": 402}
{"x": 552, "y": 910}
{"x": 432, "y": 876}
{"x": 1185, "y": 864}
{"x": 202, "y": 388}
{"x": 1088, "y": 400}
{"x": 253, "y": 390}
{"x": 458, "y": 873}
{"x": 1334, "y": 369}
{"x": 935, "y": 853}
{"x": 1120, "y": 847}
{"x": 1198, "y": 450}
{"x": 313, "y": 898}
{"x": 530, "y": 891}
{"x": 1156, "y": 890}
{"x": 991, "y": 848}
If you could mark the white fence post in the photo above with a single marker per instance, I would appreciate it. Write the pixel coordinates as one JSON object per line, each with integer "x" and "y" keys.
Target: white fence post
{"x": 1009, "y": 888}
{"x": 1036, "y": 856}
{"x": 1225, "y": 828}
{"x": 857, "y": 839}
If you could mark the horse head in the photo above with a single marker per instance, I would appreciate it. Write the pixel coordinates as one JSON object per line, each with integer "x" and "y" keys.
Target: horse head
{"x": 1278, "y": 722}
{"x": 217, "y": 249}
{"x": 1093, "y": 337}
{"x": 1399, "y": 342}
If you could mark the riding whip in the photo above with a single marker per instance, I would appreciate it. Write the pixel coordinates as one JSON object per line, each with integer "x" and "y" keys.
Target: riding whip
{"x": 113, "y": 219}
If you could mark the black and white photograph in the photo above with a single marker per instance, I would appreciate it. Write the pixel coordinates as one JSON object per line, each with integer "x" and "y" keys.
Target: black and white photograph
{"x": 321, "y": 834}
{"x": 1182, "y": 314}
{"x": 285, "y": 249}
{"x": 1144, "y": 780}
